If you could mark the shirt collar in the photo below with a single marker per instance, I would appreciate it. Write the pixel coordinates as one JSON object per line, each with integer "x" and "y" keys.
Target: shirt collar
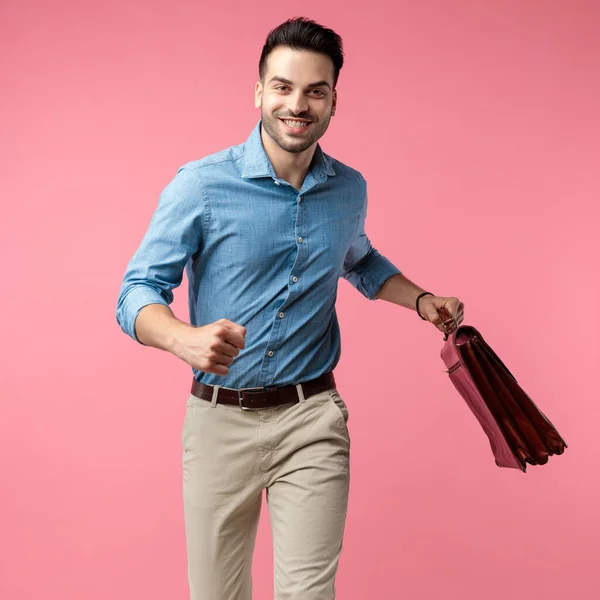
{"x": 257, "y": 164}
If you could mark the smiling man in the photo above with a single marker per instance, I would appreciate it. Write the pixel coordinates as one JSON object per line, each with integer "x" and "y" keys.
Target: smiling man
{"x": 265, "y": 230}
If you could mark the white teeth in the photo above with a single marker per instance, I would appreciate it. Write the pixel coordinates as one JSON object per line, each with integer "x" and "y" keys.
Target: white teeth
{"x": 296, "y": 124}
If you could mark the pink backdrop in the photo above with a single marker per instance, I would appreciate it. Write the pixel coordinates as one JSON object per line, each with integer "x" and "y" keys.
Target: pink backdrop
{"x": 476, "y": 125}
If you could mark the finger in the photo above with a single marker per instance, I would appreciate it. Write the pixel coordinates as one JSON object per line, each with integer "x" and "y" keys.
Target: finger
{"x": 233, "y": 337}
{"x": 230, "y": 350}
{"x": 218, "y": 369}
{"x": 234, "y": 326}
{"x": 456, "y": 311}
{"x": 223, "y": 359}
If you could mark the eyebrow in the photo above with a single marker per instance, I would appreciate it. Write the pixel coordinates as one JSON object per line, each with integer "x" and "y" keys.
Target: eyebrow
{"x": 284, "y": 80}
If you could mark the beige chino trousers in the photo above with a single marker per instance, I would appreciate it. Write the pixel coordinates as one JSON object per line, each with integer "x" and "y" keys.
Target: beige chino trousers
{"x": 300, "y": 454}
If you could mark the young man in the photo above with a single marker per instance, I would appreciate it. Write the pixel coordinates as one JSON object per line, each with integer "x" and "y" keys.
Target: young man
{"x": 265, "y": 230}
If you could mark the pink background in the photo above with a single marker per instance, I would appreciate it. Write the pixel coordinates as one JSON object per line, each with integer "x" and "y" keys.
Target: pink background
{"x": 476, "y": 125}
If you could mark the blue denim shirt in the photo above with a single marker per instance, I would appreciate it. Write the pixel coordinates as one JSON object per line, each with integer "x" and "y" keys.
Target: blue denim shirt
{"x": 262, "y": 254}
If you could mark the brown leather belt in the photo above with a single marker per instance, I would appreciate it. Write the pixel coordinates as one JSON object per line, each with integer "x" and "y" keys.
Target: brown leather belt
{"x": 263, "y": 397}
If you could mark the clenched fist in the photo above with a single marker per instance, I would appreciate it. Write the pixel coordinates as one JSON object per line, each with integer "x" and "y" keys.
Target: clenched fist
{"x": 211, "y": 348}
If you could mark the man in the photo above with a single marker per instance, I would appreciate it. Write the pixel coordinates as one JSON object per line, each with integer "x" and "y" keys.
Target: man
{"x": 265, "y": 230}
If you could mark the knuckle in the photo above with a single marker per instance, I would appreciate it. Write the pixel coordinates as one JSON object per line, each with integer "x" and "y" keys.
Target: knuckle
{"x": 215, "y": 345}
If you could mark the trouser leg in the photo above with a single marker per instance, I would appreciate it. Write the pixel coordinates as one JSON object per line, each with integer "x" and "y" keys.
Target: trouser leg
{"x": 222, "y": 492}
{"x": 307, "y": 496}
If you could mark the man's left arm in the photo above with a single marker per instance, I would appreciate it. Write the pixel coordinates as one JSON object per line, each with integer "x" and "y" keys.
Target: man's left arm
{"x": 400, "y": 290}
{"x": 376, "y": 277}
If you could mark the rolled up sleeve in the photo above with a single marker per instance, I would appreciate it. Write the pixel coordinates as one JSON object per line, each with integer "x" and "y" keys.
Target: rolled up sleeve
{"x": 175, "y": 233}
{"x": 364, "y": 267}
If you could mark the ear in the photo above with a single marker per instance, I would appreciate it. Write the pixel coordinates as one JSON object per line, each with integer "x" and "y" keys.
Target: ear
{"x": 258, "y": 90}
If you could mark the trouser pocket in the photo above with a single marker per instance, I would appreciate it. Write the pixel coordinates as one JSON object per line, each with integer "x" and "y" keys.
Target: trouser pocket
{"x": 339, "y": 405}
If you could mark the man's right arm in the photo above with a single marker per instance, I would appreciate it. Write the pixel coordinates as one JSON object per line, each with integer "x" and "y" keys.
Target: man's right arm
{"x": 175, "y": 232}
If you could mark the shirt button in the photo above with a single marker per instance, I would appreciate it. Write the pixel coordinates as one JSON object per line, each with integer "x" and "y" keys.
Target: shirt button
{"x": 270, "y": 352}
{"x": 294, "y": 279}
{"x": 281, "y": 315}
{"x": 277, "y": 183}
{"x": 300, "y": 239}
{"x": 299, "y": 198}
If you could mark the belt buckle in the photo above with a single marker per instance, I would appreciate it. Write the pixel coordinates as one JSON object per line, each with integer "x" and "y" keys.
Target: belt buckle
{"x": 240, "y": 391}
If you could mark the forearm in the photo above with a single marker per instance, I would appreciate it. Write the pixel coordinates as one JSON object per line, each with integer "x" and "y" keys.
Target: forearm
{"x": 400, "y": 290}
{"x": 157, "y": 326}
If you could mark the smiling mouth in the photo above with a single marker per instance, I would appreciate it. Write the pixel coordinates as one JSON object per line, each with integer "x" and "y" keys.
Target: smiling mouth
{"x": 296, "y": 124}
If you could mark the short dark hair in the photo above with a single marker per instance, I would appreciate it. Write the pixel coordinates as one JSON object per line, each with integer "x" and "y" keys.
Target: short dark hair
{"x": 300, "y": 33}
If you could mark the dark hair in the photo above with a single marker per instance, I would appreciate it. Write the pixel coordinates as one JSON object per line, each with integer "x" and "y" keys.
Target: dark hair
{"x": 301, "y": 33}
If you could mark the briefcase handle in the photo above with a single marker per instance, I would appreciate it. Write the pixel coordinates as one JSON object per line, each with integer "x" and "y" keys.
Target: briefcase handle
{"x": 448, "y": 321}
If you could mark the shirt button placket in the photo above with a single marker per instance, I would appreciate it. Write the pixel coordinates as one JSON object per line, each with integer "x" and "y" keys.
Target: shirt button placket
{"x": 300, "y": 240}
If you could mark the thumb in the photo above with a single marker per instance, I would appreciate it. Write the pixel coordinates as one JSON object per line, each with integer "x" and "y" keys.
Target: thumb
{"x": 427, "y": 309}
{"x": 432, "y": 315}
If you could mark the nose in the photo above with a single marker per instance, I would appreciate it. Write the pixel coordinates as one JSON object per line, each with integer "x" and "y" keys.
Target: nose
{"x": 297, "y": 103}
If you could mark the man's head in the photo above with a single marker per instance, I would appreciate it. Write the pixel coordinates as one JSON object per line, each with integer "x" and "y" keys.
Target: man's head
{"x": 298, "y": 70}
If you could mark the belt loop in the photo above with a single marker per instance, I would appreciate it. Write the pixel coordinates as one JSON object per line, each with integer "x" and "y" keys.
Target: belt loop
{"x": 300, "y": 391}
{"x": 216, "y": 389}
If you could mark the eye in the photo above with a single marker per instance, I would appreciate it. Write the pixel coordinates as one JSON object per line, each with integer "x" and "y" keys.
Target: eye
{"x": 320, "y": 92}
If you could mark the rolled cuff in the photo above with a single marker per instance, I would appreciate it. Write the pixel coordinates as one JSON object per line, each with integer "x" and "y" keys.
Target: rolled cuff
{"x": 370, "y": 273}
{"x": 130, "y": 305}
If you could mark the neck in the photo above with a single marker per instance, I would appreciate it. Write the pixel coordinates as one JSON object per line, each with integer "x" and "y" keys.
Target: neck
{"x": 289, "y": 166}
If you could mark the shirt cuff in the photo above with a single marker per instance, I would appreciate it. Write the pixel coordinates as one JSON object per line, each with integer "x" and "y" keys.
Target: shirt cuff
{"x": 129, "y": 307}
{"x": 369, "y": 275}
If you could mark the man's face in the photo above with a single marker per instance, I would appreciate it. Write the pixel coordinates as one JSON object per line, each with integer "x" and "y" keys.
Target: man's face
{"x": 296, "y": 98}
